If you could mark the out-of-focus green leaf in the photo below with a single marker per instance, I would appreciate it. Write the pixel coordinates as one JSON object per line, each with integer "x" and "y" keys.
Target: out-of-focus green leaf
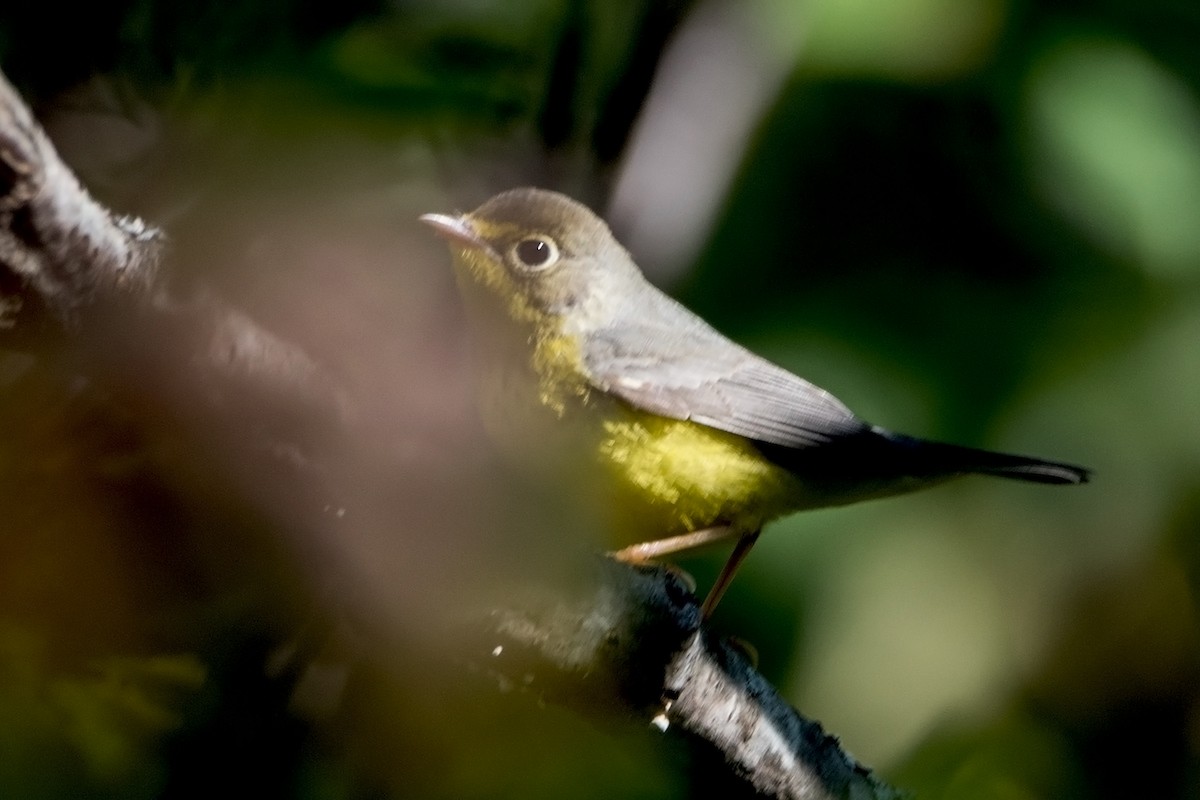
{"x": 1117, "y": 142}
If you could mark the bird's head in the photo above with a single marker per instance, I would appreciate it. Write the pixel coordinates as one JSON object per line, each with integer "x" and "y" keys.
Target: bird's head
{"x": 540, "y": 253}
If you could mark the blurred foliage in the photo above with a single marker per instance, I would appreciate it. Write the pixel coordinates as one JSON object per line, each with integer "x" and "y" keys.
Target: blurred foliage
{"x": 970, "y": 220}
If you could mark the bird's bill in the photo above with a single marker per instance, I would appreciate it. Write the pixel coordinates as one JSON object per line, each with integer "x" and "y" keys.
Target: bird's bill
{"x": 456, "y": 230}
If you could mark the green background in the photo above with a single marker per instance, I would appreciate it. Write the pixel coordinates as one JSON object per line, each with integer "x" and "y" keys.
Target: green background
{"x": 973, "y": 220}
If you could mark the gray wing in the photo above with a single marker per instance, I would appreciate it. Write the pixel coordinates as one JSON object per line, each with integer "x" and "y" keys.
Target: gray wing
{"x": 692, "y": 372}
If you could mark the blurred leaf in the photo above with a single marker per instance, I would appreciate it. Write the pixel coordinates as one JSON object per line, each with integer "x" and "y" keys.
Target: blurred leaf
{"x": 914, "y": 40}
{"x": 1015, "y": 757}
{"x": 98, "y": 731}
{"x": 1117, "y": 143}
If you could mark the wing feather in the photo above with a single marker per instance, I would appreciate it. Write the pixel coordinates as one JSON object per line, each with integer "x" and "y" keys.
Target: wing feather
{"x": 692, "y": 372}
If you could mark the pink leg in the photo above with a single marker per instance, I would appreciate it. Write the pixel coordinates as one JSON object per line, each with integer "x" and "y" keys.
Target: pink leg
{"x": 740, "y": 551}
{"x": 648, "y": 551}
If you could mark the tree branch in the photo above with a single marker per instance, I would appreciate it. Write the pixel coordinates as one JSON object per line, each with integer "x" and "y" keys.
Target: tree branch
{"x": 634, "y": 635}
{"x": 58, "y": 246}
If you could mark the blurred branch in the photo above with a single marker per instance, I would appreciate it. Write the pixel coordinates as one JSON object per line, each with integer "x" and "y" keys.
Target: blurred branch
{"x": 60, "y": 250}
{"x": 632, "y": 640}
{"x": 74, "y": 274}
{"x": 64, "y": 258}
{"x": 717, "y": 77}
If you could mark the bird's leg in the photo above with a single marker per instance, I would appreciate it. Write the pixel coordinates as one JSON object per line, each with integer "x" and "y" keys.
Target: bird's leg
{"x": 740, "y": 551}
{"x": 648, "y": 551}
{"x": 644, "y": 552}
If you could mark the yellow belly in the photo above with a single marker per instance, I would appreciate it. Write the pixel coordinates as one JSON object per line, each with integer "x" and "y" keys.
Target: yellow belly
{"x": 689, "y": 476}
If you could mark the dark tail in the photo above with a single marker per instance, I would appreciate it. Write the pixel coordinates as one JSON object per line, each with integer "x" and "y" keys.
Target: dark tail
{"x": 939, "y": 459}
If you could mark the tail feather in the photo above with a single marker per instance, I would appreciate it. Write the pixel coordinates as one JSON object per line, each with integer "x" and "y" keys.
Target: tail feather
{"x": 938, "y": 458}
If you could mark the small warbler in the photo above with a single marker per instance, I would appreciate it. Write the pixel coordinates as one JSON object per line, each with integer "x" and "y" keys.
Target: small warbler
{"x": 709, "y": 440}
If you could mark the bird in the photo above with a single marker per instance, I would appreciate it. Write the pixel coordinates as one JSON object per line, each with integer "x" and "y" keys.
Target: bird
{"x": 704, "y": 439}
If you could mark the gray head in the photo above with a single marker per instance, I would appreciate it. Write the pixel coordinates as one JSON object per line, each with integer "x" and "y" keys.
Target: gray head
{"x": 540, "y": 253}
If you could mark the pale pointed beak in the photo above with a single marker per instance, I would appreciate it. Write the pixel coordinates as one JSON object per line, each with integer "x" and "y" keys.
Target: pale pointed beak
{"x": 456, "y": 230}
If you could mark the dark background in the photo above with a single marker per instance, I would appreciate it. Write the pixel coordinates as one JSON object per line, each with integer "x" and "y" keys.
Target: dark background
{"x": 971, "y": 220}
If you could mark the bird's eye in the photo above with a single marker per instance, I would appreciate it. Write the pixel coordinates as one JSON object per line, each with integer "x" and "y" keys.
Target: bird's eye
{"x": 536, "y": 252}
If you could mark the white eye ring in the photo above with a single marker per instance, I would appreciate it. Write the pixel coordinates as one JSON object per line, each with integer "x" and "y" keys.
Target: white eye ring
{"x": 535, "y": 252}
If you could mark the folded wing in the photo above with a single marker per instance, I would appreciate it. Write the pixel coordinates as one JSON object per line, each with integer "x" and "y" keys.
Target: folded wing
{"x": 691, "y": 372}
